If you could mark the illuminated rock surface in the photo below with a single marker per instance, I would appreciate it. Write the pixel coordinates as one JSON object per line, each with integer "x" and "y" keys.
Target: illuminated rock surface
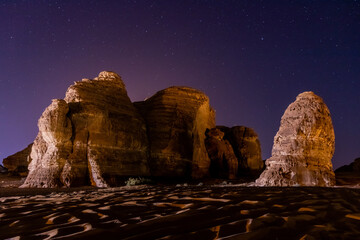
{"x": 51, "y": 147}
{"x": 93, "y": 136}
{"x": 109, "y": 139}
{"x": 303, "y": 146}
{"x": 176, "y": 119}
{"x": 96, "y": 136}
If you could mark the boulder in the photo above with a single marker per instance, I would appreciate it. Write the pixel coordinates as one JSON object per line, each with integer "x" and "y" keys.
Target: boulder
{"x": 224, "y": 163}
{"x": 176, "y": 120}
{"x": 303, "y": 146}
{"x": 246, "y": 145}
{"x": 17, "y": 164}
{"x": 95, "y": 136}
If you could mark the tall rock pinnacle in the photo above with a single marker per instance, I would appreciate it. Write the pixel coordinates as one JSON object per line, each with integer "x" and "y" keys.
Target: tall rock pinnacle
{"x": 303, "y": 146}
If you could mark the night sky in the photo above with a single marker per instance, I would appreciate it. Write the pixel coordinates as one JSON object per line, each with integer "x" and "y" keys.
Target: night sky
{"x": 252, "y": 58}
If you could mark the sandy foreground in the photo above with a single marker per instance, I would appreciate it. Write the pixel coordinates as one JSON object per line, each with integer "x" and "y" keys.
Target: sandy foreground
{"x": 180, "y": 212}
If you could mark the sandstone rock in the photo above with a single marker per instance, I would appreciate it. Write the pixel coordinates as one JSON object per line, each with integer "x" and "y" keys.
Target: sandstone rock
{"x": 95, "y": 136}
{"x": 224, "y": 163}
{"x": 176, "y": 120}
{"x": 303, "y": 146}
{"x": 18, "y": 163}
{"x": 246, "y": 146}
{"x": 349, "y": 174}
{"x": 109, "y": 137}
{"x": 51, "y": 147}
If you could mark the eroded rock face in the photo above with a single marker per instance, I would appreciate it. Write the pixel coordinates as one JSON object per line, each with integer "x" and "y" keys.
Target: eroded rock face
{"x": 94, "y": 136}
{"x": 51, "y": 147}
{"x": 176, "y": 119}
{"x": 18, "y": 163}
{"x": 109, "y": 137}
{"x": 303, "y": 146}
{"x": 224, "y": 163}
{"x": 246, "y": 145}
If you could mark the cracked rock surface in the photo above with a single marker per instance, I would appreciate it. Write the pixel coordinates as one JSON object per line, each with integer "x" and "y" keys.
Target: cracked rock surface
{"x": 303, "y": 146}
{"x": 94, "y": 136}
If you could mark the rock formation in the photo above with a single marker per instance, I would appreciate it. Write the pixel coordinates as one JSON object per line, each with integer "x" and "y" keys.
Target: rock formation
{"x": 176, "y": 120}
{"x": 246, "y": 145}
{"x": 303, "y": 146}
{"x": 352, "y": 167}
{"x": 97, "y": 136}
{"x": 109, "y": 133}
{"x": 348, "y": 174}
{"x": 94, "y": 136}
{"x": 3, "y": 169}
{"x": 51, "y": 148}
{"x": 224, "y": 163}
{"x": 17, "y": 164}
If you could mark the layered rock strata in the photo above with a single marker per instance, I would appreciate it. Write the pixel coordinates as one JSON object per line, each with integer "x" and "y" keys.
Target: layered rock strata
{"x": 109, "y": 133}
{"x": 94, "y": 136}
{"x": 97, "y": 136}
{"x": 17, "y": 164}
{"x": 303, "y": 146}
{"x": 51, "y": 147}
{"x": 176, "y": 119}
{"x": 224, "y": 163}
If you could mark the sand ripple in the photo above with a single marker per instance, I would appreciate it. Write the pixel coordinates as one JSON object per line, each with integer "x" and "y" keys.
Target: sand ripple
{"x": 186, "y": 212}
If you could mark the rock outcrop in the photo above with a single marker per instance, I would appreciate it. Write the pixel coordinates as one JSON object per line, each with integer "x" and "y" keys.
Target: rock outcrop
{"x": 109, "y": 136}
{"x": 246, "y": 145}
{"x": 303, "y": 146}
{"x": 17, "y": 164}
{"x": 94, "y": 136}
{"x": 224, "y": 163}
{"x": 352, "y": 167}
{"x": 3, "y": 169}
{"x": 176, "y": 119}
{"x": 348, "y": 174}
{"x": 51, "y": 147}
{"x": 97, "y": 136}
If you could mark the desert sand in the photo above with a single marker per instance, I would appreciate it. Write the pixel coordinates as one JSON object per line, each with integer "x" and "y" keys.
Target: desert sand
{"x": 181, "y": 212}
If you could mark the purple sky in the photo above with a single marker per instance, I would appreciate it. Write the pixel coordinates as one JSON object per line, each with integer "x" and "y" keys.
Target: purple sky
{"x": 251, "y": 58}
